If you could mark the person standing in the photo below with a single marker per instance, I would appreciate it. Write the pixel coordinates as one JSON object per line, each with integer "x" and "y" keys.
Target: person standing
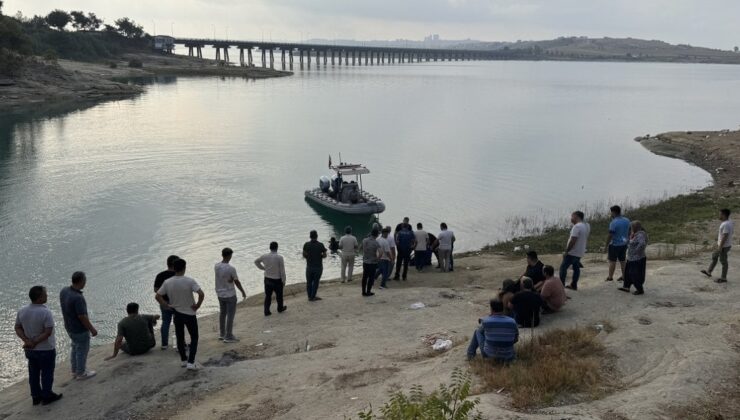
{"x": 166, "y": 312}
{"x": 386, "y": 257}
{"x": 227, "y": 281}
{"x": 636, "y": 259}
{"x": 616, "y": 241}
{"x": 401, "y": 226}
{"x": 273, "y": 265}
{"x": 552, "y": 293}
{"x": 348, "y": 245}
{"x": 135, "y": 332}
{"x": 370, "y": 253}
{"x": 77, "y": 324}
{"x": 180, "y": 289}
{"x": 34, "y": 325}
{"x": 575, "y": 249}
{"x": 445, "y": 241}
{"x": 421, "y": 253}
{"x": 314, "y": 252}
{"x": 405, "y": 241}
{"x": 724, "y": 244}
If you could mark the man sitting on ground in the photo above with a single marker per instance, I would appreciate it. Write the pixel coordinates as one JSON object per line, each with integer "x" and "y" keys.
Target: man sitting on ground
{"x": 137, "y": 331}
{"x": 534, "y": 270}
{"x": 526, "y": 305}
{"x": 496, "y": 335}
{"x": 553, "y": 292}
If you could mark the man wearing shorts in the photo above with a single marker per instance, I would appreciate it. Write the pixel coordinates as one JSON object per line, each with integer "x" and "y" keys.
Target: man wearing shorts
{"x": 616, "y": 241}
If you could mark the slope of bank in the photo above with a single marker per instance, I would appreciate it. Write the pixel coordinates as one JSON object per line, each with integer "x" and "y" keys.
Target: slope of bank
{"x": 43, "y": 82}
{"x": 677, "y": 348}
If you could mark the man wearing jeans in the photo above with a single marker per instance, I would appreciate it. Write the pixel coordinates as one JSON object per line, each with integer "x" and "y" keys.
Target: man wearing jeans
{"x": 166, "y": 313}
{"x": 724, "y": 244}
{"x": 273, "y": 265}
{"x": 496, "y": 335}
{"x": 180, "y": 290}
{"x": 385, "y": 261}
{"x": 314, "y": 252}
{"x": 226, "y": 279}
{"x": 77, "y": 324}
{"x": 405, "y": 241}
{"x": 575, "y": 250}
{"x": 34, "y": 324}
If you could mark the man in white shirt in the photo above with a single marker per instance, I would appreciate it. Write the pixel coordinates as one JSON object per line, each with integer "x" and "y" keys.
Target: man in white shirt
{"x": 421, "y": 248}
{"x": 274, "y": 267}
{"x": 34, "y": 324}
{"x": 575, "y": 249}
{"x": 724, "y": 244}
{"x": 179, "y": 289}
{"x": 444, "y": 243}
{"x": 348, "y": 245}
{"x": 226, "y": 283}
{"x": 384, "y": 263}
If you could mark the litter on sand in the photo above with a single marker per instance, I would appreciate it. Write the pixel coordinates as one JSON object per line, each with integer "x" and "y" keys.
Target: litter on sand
{"x": 442, "y": 345}
{"x": 417, "y": 305}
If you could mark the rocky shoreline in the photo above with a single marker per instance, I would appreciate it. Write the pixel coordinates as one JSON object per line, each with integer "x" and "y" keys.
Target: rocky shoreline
{"x": 43, "y": 82}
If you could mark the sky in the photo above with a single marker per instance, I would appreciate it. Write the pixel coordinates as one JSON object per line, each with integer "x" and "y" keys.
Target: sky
{"x": 710, "y": 23}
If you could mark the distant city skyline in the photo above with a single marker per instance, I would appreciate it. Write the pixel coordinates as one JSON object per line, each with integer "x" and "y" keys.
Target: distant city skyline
{"x": 676, "y": 21}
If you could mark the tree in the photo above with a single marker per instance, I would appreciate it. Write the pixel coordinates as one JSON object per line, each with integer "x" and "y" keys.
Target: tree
{"x": 58, "y": 19}
{"x": 129, "y": 28}
{"x": 1, "y": 7}
{"x": 736, "y": 48}
{"x": 79, "y": 20}
{"x": 94, "y": 22}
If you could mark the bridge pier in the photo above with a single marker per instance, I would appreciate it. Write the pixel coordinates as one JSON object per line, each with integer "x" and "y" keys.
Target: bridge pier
{"x": 241, "y": 56}
{"x": 272, "y": 60}
{"x": 282, "y": 57}
{"x": 264, "y": 58}
{"x": 249, "y": 57}
{"x": 190, "y": 50}
{"x": 353, "y": 57}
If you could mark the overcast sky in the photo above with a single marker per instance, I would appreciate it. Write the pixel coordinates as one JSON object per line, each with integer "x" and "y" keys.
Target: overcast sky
{"x": 712, "y": 23}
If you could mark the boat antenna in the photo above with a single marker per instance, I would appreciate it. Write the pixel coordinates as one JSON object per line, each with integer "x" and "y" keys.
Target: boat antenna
{"x": 340, "y": 158}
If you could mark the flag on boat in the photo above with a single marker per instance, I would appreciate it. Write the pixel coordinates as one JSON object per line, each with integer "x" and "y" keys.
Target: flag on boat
{"x": 329, "y": 161}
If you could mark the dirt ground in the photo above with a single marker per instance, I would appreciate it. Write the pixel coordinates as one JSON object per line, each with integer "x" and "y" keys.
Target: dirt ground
{"x": 333, "y": 358}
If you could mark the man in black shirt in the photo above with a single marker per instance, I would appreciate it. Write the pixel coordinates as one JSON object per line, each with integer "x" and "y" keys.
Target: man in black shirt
{"x": 314, "y": 252}
{"x": 526, "y": 305}
{"x": 534, "y": 270}
{"x": 167, "y": 313}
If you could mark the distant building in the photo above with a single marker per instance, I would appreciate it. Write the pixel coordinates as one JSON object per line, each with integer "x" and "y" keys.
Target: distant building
{"x": 432, "y": 38}
{"x": 164, "y": 43}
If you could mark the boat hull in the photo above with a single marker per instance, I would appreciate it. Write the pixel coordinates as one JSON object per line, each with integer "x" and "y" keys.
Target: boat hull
{"x": 373, "y": 205}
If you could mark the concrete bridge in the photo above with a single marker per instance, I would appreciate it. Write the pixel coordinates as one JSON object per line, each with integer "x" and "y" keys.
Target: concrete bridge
{"x": 323, "y": 53}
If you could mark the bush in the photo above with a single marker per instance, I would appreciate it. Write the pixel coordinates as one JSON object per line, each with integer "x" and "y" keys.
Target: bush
{"x": 51, "y": 55}
{"x": 11, "y": 63}
{"x": 135, "y": 63}
{"x": 113, "y": 65}
{"x": 447, "y": 403}
{"x": 559, "y": 363}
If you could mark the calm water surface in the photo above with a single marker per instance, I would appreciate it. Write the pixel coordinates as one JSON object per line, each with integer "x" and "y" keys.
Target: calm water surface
{"x": 196, "y": 164}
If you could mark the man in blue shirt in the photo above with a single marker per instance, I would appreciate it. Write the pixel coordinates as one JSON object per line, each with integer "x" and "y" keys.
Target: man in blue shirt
{"x": 616, "y": 241}
{"x": 77, "y": 324}
{"x": 496, "y": 335}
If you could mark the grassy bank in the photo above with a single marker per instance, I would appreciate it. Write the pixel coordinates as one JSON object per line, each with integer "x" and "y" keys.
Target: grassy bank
{"x": 676, "y": 220}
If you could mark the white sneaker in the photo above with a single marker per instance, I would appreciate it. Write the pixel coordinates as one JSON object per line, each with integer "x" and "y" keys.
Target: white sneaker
{"x": 231, "y": 340}
{"x": 87, "y": 375}
{"x": 193, "y": 366}
{"x": 183, "y": 363}
{"x": 220, "y": 338}
{"x": 164, "y": 347}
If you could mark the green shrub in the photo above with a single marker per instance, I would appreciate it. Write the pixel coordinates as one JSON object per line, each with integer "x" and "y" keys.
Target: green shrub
{"x": 11, "y": 63}
{"x": 113, "y": 65}
{"x": 135, "y": 63}
{"x": 447, "y": 403}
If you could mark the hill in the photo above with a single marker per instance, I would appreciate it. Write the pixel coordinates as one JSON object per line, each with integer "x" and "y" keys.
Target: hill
{"x": 606, "y": 49}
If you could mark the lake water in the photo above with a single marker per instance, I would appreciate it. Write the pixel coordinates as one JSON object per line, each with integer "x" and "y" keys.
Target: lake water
{"x": 196, "y": 164}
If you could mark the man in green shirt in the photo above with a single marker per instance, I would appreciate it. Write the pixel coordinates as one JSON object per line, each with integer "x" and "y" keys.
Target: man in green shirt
{"x": 137, "y": 331}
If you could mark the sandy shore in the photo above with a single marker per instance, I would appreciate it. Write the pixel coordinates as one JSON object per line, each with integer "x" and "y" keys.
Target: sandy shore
{"x": 677, "y": 346}
{"x": 43, "y": 83}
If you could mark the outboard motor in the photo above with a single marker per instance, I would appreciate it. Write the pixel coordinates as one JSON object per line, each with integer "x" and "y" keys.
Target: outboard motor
{"x": 324, "y": 184}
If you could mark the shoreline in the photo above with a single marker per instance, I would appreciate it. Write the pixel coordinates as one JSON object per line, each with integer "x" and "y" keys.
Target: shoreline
{"x": 451, "y": 302}
{"x": 70, "y": 83}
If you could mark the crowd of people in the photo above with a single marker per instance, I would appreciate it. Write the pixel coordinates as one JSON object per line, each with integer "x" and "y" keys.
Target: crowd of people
{"x": 520, "y": 303}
